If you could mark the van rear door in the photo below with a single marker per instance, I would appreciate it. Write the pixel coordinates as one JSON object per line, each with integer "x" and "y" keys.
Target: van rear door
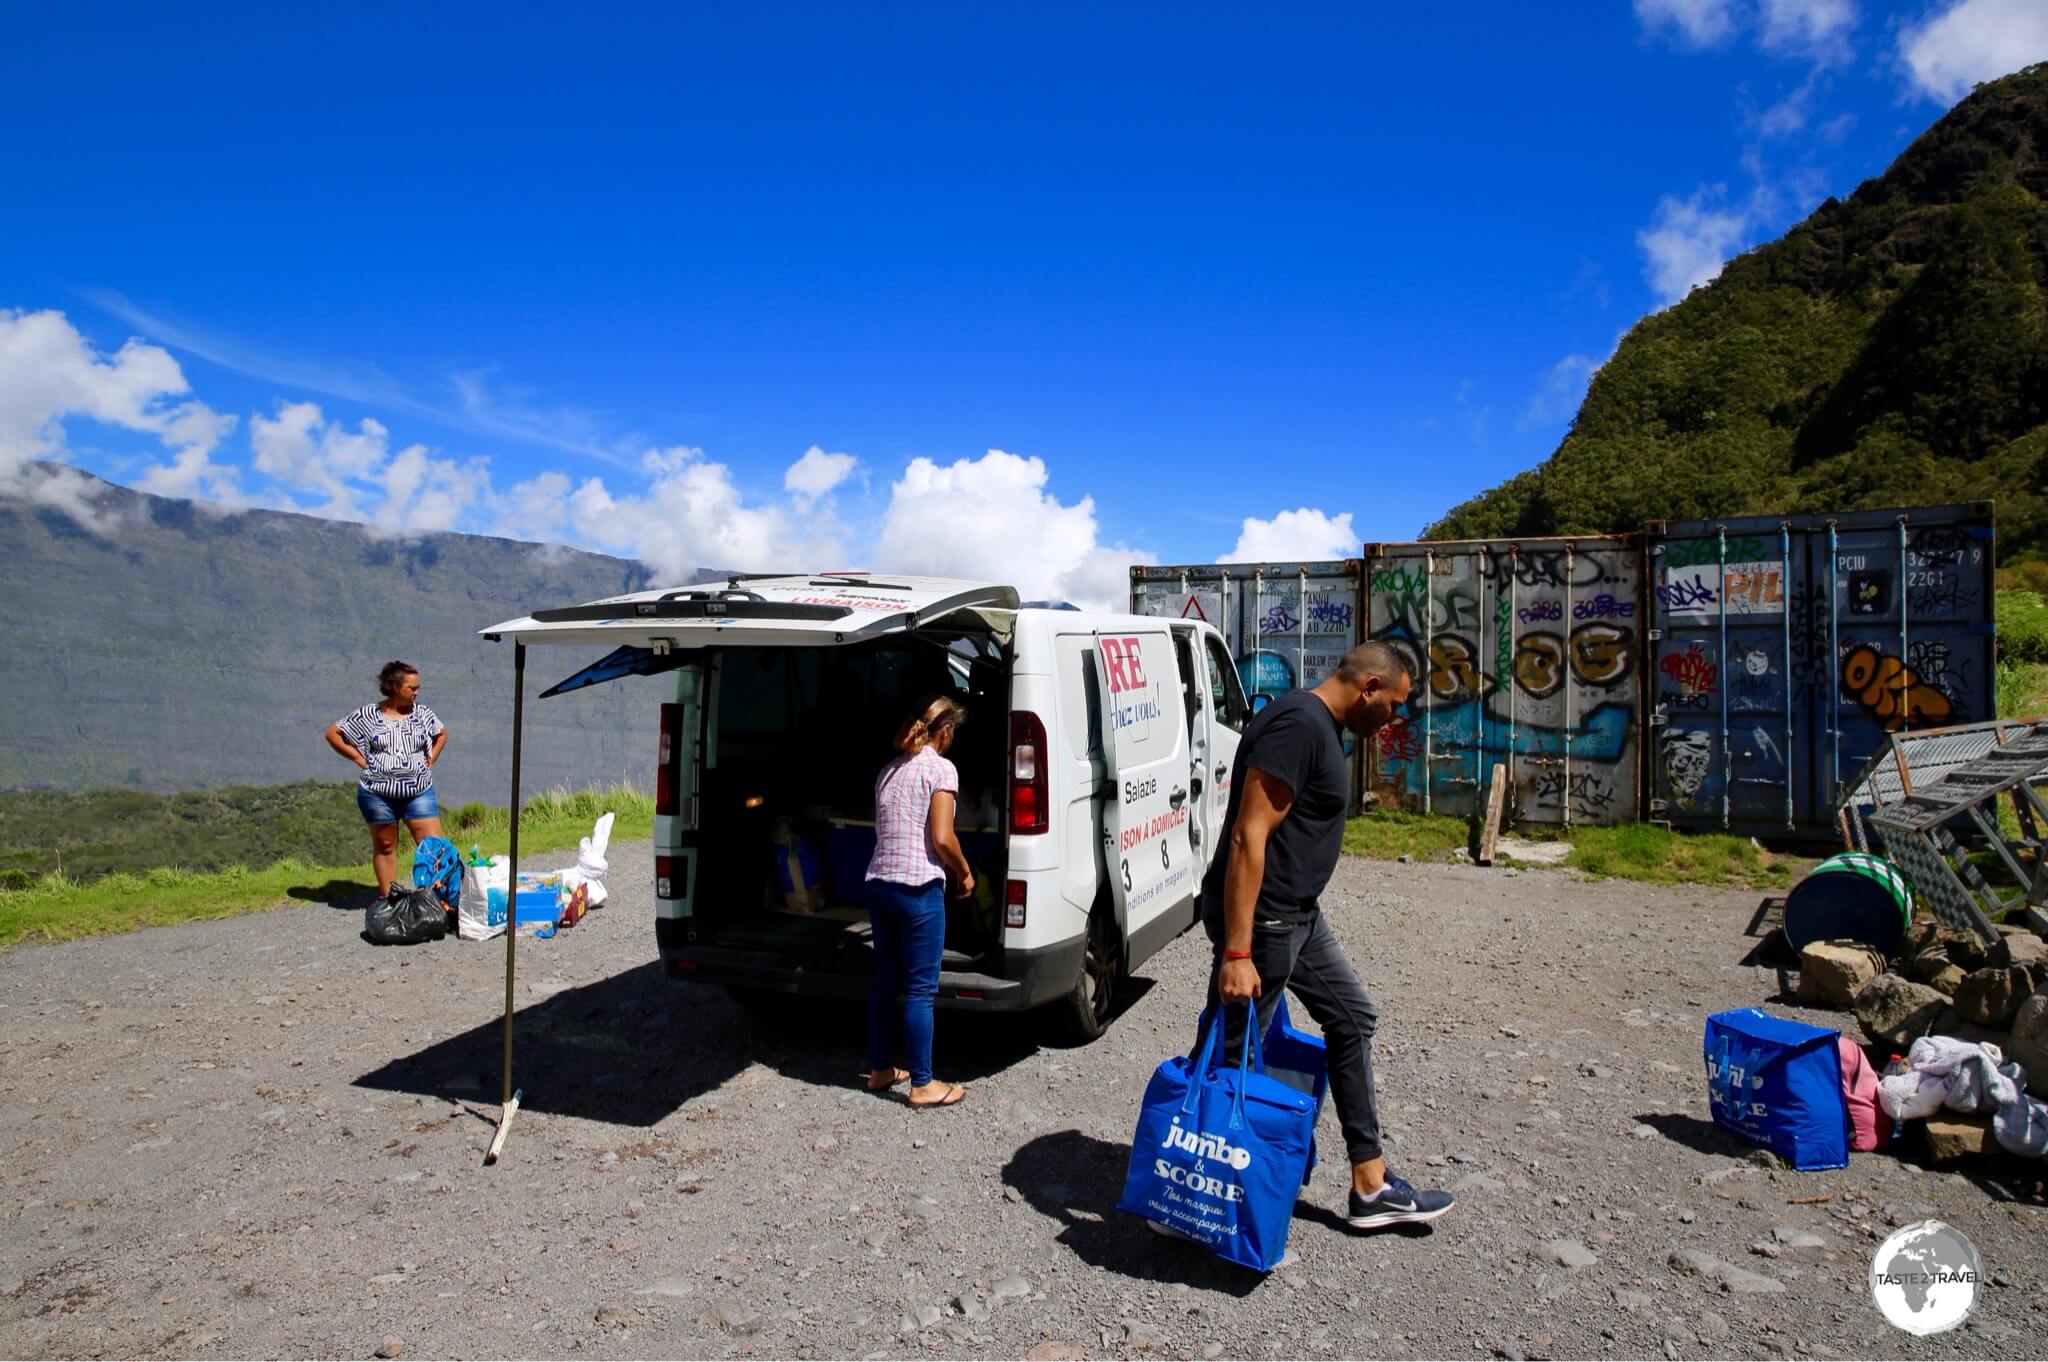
{"x": 1145, "y": 818}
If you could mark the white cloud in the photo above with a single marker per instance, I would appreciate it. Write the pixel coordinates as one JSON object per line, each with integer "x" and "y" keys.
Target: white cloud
{"x": 1816, "y": 30}
{"x": 1695, "y": 23}
{"x": 1562, "y": 389}
{"x": 816, "y": 474}
{"x": 992, "y": 519}
{"x": 49, "y": 374}
{"x": 692, "y": 515}
{"x": 1689, "y": 240}
{"x": 1972, "y": 41}
{"x": 409, "y": 492}
{"x": 1294, "y": 536}
{"x": 422, "y": 493}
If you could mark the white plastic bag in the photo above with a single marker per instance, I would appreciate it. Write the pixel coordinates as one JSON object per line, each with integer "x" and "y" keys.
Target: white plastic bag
{"x": 473, "y": 915}
{"x": 591, "y": 865}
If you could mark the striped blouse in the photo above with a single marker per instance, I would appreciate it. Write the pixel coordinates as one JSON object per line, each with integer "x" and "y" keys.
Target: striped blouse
{"x": 396, "y": 749}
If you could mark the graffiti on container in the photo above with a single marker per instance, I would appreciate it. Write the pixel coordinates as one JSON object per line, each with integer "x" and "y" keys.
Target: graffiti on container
{"x": 1539, "y": 664}
{"x": 1397, "y": 581}
{"x": 1753, "y": 588}
{"x": 1937, "y": 546}
{"x": 1693, "y": 671}
{"x": 1454, "y": 671}
{"x": 1540, "y": 567}
{"x": 1327, "y": 614}
{"x": 1810, "y": 668}
{"x": 1591, "y": 793}
{"x": 1870, "y": 593}
{"x": 1503, "y": 637}
{"x": 1603, "y": 607}
{"x": 1768, "y": 746}
{"x": 1399, "y": 743}
{"x": 1752, "y": 680}
{"x": 1938, "y": 595}
{"x": 1684, "y": 553}
{"x": 1932, "y": 661}
{"x": 1539, "y": 611}
{"x": 1688, "y": 761}
{"x": 1603, "y": 654}
{"x": 1278, "y": 619}
{"x": 1683, "y": 597}
{"x": 1417, "y": 611}
{"x": 1892, "y": 692}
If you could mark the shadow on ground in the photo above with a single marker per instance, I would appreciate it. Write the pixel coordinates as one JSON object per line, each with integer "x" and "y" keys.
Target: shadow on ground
{"x": 350, "y": 894}
{"x": 1076, "y": 1179}
{"x": 1693, "y": 1133}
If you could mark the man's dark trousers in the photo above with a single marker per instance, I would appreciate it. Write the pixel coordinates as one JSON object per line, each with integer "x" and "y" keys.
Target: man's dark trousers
{"x": 1302, "y": 956}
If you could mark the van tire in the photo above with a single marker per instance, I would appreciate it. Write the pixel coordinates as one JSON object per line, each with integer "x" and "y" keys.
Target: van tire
{"x": 1085, "y": 1013}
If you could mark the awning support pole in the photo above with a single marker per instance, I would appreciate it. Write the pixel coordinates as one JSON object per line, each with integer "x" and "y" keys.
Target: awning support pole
{"x": 508, "y": 1099}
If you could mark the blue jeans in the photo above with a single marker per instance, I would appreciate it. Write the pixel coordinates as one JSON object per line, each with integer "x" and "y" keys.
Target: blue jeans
{"x": 379, "y": 810}
{"x": 909, "y": 926}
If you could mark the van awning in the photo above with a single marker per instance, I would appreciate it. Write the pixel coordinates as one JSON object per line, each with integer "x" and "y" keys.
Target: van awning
{"x": 775, "y": 611}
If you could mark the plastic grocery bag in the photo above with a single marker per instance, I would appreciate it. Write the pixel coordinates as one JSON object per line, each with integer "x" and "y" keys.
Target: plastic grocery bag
{"x": 437, "y": 865}
{"x": 473, "y": 917}
{"x": 405, "y": 917}
{"x": 1778, "y": 1083}
{"x": 1220, "y": 1153}
{"x": 591, "y": 865}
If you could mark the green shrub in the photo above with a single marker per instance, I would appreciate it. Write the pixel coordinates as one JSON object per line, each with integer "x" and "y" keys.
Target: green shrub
{"x": 2022, "y": 627}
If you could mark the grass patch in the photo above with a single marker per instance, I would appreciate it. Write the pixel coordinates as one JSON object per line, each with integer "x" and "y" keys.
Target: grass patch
{"x": 1641, "y": 851}
{"x": 55, "y": 907}
{"x": 1389, "y": 834}
{"x": 2022, "y": 690}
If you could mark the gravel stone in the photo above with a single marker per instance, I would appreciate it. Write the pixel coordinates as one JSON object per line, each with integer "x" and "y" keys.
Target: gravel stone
{"x": 1567, "y": 1253}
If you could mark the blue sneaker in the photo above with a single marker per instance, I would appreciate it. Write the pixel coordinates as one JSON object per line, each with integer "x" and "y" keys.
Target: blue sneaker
{"x": 1396, "y": 1203}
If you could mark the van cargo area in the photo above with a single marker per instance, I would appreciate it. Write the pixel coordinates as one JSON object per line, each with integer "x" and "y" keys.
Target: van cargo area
{"x": 795, "y": 739}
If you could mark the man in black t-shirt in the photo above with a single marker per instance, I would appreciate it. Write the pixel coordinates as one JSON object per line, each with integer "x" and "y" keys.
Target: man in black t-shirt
{"x": 1290, "y": 790}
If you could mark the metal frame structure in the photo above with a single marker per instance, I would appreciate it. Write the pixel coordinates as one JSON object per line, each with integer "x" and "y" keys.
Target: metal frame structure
{"x": 1918, "y": 832}
{"x": 1913, "y": 757}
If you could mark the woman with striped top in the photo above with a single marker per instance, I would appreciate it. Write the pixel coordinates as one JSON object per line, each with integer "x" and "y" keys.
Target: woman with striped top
{"x": 396, "y": 742}
{"x": 915, "y": 852}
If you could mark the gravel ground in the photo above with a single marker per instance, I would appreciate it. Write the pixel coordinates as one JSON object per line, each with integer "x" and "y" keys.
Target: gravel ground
{"x": 262, "y": 1137}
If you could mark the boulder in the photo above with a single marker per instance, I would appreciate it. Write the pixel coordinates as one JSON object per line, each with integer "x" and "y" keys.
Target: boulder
{"x": 1952, "y": 1135}
{"x": 2033, "y": 919}
{"x": 2028, "y": 1044}
{"x": 1933, "y": 968}
{"x": 1925, "y": 934}
{"x": 1832, "y": 972}
{"x": 1895, "y": 1012}
{"x": 1952, "y": 1023}
{"x": 2022, "y": 949}
{"x": 1991, "y": 996}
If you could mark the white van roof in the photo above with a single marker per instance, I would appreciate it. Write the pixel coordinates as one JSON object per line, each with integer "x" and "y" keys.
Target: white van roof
{"x": 824, "y": 608}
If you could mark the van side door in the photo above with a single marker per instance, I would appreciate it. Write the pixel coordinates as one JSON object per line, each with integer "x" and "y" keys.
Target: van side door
{"x": 1151, "y": 864}
{"x": 1228, "y": 713}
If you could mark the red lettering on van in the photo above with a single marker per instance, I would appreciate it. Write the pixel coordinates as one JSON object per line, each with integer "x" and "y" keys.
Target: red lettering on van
{"x": 1121, "y": 662}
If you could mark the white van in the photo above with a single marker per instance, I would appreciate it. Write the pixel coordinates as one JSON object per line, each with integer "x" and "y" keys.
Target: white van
{"x": 1094, "y": 769}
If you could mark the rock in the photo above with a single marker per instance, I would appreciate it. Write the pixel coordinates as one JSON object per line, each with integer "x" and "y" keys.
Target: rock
{"x": 1898, "y": 1213}
{"x": 2022, "y": 949}
{"x": 1054, "y": 1352}
{"x": 1925, "y": 934}
{"x": 2028, "y": 1045}
{"x": 1710, "y": 1327}
{"x": 970, "y": 1306}
{"x": 1896, "y": 1012}
{"x": 1797, "y": 1239}
{"x": 1934, "y": 969}
{"x": 920, "y": 1317}
{"x": 731, "y": 1315}
{"x": 1010, "y": 1288}
{"x": 1566, "y": 1253}
{"x": 1951, "y": 1023}
{"x": 2033, "y": 919}
{"x": 1951, "y": 1135}
{"x": 1635, "y": 1302}
{"x": 1143, "y": 1338}
{"x": 1742, "y": 1282}
{"x": 1694, "y": 1263}
{"x": 1992, "y": 995}
{"x": 390, "y": 1347}
{"x": 1478, "y": 1182}
{"x": 608, "y": 1315}
{"x": 1832, "y": 972}
{"x": 824, "y": 1144}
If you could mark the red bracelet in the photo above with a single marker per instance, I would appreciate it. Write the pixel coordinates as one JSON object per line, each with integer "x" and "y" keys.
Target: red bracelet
{"x": 1237, "y": 955}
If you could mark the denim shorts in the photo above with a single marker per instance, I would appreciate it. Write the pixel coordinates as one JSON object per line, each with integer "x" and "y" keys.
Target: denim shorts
{"x": 380, "y": 810}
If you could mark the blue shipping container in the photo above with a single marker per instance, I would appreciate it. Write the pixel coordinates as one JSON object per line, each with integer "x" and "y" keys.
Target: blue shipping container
{"x": 1785, "y": 650}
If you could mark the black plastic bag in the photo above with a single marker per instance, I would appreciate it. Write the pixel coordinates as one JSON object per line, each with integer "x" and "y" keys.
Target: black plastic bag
{"x": 406, "y": 917}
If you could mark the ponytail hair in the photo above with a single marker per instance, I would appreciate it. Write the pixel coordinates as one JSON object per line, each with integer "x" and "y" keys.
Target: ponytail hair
{"x": 927, "y": 722}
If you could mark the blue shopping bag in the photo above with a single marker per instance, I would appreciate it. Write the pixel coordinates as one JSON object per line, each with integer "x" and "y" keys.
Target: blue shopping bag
{"x": 436, "y": 864}
{"x": 1220, "y": 1153}
{"x": 1778, "y": 1083}
{"x": 1299, "y": 1060}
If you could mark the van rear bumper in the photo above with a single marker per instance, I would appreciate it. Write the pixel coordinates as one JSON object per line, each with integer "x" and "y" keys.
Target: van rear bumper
{"x": 1026, "y": 978}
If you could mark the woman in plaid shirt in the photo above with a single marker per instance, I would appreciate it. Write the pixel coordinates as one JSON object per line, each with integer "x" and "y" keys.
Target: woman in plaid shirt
{"x": 915, "y": 852}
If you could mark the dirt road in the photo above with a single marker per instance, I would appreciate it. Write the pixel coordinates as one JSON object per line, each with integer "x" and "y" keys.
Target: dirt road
{"x": 261, "y": 1137}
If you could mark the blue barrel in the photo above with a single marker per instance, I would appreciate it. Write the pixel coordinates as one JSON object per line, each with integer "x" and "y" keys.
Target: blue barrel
{"x": 1852, "y": 897}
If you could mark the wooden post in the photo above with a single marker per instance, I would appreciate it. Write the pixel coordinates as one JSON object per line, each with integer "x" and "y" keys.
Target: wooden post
{"x": 508, "y": 1099}
{"x": 1496, "y": 802}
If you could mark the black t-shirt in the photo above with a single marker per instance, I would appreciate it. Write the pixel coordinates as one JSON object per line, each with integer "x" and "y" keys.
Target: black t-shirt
{"x": 1296, "y": 740}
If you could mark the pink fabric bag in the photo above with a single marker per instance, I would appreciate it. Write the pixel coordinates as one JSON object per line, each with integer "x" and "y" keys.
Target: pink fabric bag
{"x": 1869, "y": 1125}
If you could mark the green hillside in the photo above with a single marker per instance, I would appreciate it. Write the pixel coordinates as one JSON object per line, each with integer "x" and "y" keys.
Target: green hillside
{"x": 1890, "y": 350}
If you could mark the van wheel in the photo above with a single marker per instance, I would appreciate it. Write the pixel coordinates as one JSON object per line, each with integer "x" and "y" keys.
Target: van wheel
{"x": 1085, "y": 1013}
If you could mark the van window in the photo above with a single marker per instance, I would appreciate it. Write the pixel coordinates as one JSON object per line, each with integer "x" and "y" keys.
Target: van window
{"x": 1080, "y": 702}
{"x": 1225, "y": 691}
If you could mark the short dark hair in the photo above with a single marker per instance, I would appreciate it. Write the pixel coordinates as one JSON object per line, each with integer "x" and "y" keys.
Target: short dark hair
{"x": 1374, "y": 659}
{"x": 393, "y": 673}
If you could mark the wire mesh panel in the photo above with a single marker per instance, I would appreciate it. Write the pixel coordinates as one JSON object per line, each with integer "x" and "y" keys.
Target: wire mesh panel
{"x": 1914, "y": 759}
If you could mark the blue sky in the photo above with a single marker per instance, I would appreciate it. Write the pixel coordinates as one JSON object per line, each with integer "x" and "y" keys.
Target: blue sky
{"x": 766, "y": 287}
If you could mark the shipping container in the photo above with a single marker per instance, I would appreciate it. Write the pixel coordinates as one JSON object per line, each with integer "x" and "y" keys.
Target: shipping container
{"x": 1786, "y": 650}
{"x": 1287, "y": 624}
{"x": 1526, "y": 656}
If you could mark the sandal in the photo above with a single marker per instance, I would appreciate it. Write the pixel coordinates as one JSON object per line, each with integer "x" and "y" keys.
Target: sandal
{"x": 954, "y": 1095}
{"x": 901, "y": 1076}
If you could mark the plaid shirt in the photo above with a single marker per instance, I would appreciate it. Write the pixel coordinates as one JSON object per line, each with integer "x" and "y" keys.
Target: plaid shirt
{"x": 903, "y": 809}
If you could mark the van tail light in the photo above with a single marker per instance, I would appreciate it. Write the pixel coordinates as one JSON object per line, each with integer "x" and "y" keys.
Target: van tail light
{"x": 665, "y": 885}
{"x": 1028, "y": 812}
{"x": 1013, "y": 904}
{"x": 664, "y": 761}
